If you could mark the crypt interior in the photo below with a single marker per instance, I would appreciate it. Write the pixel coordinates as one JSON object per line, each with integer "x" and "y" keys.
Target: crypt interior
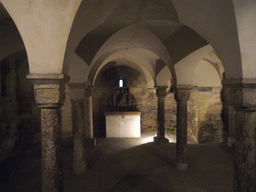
{"x": 127, "y": 95}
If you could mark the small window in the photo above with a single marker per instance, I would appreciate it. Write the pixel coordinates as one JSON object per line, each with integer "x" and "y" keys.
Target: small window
{"x": 121, "y": 82}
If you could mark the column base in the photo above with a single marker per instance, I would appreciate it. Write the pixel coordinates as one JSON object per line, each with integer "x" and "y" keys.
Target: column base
{"x": 160, "y": 140}
{"x": 182, "y": 166}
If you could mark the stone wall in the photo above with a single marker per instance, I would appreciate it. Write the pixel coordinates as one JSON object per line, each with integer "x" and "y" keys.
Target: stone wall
{"x": 207, "y": 104}
{"x": 8, "y": 110}
{"x": 204, "y": 112}
{"x": 19, "y": 114}
{"x": 147, "y": 104}
{"x": 104, "y": 89}
{"x": 204, "y": 107}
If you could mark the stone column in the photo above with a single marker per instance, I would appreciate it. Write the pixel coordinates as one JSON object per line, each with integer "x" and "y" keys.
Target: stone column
{"x": 182, "y": 94}
{"x": 88, "y": 115}
{"x": 225, "y": 113}
{"x": 245, "y": 179}
{"x": 77, "y": 93}
{"x": 243, "y": 97}
{"x": 49, "y": 95}
{"x": 160, "y": 138}
{"x": 231, "y": 126}
{"x": 228, "y": 117}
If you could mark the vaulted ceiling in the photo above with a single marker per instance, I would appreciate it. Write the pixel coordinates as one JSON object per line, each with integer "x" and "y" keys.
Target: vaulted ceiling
{"x": 155, "y": 35}
{"x": 143, "y": 26}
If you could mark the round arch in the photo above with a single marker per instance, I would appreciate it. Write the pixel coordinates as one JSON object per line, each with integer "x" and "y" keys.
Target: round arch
{"x": 106, "y": 18}
{"x": 44, "y": 27}
{"x": 164, "y": 77}
{"x": 206, "y": 75}
{"x": 220, "y": 30}
{"x": 185, "y": 68}
{"x": 143, "y": 66}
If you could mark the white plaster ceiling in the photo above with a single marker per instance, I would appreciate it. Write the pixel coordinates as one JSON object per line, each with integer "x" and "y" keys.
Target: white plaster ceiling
{"x": 161, "y": 28}
{"x": 131, "y": 24}
{"x": 51, "y": 30}
{"x": 151, "y": 13}
{"x": 129, "y": 55}
{"x": 200, "y": 68}
{"x": 206, "y": 75}
{"x": 165, "y": 19}
{"x": 144, "y": 71}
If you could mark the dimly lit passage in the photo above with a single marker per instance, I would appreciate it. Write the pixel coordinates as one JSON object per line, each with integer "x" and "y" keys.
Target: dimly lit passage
{"x": 127, "y": 95}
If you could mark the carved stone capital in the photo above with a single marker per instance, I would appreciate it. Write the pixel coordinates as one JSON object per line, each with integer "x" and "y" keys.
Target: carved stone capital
{"x": 49, "y": 89}
{"x": 89, "y": 90}
{"x": 77, "y": 90}
{"x": 182, "y": 93}
{"x": 242, "y": 93}
{"x": 161, "y": 90}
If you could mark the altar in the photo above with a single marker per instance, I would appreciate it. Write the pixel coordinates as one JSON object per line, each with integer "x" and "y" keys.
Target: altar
{"x": 123, "y": 124}
{"x": 123, "y": 116}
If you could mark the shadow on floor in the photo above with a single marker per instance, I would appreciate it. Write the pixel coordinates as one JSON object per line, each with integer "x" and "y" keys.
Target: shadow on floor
{"x": 127, "y": 165}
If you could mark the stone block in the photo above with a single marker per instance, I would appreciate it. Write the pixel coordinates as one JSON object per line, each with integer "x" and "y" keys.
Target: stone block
{"x": 48, "y": 88}
{"x": 45, "y": 94}
{"x": 123, "y": 124}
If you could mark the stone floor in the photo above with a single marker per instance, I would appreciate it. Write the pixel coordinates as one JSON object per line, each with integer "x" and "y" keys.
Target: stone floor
{"x": 128, "y": 165}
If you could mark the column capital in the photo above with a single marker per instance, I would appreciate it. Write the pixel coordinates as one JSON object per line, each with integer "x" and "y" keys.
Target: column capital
{"x": 242, "y": 93}
{"x": 49, "y": 89}
{"x": 161, "y": 90}
{"x": 182, "y": 93}
{"x": 77, "y": 90}
{"x": 89, "y": 90}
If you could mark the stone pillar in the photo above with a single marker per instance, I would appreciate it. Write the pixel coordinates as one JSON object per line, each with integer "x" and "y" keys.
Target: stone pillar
{"x": 228, "y": 117}
{"x": 88, "y": 116}
{"x": 245, "y": 179}
{"x": 182, "y": 94}
{"x": 160, "y": 138}
{"x": 243, "y": 97}
{"x": 49, "y": 95}
{"x": 77, "y": 92}
{"x": 231, "y": 126}
{"x": 225, "y": 113}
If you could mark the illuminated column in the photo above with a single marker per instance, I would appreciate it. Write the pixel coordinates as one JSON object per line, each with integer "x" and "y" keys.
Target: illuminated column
{"x": 243, "y": 97}
{"x": 182, "y": 95}
{"x": 77, "y": 93}
{"x": 88, "y": 116}
{"x": 160, "y": 138}
{"x": 49, "y": 95}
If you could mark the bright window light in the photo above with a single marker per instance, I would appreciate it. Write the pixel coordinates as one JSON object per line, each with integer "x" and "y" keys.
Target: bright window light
{"x": 121, "y": 83}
